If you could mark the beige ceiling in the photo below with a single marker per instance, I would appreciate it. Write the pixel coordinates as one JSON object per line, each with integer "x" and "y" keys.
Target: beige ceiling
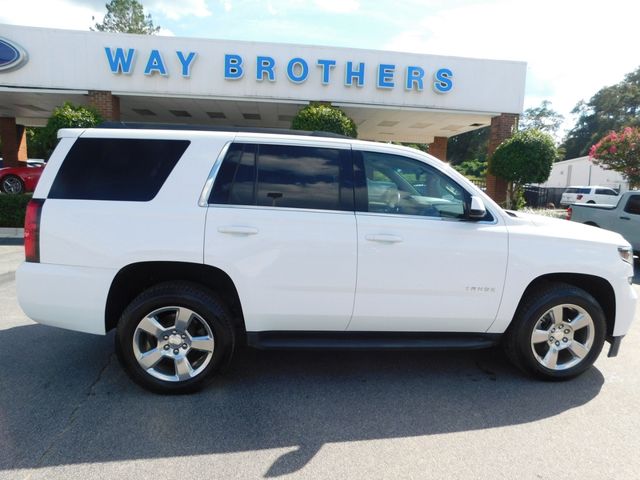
{"x": 32, "y": 108}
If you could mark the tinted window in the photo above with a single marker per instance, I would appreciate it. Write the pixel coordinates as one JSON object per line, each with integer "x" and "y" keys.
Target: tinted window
{"x": 605, "y": 191}
{"x": 584, "y": 190}
{"x": 404, "y": 186}
{"x": 284, "y": 176}
{"x": 299, "y": 177}
{"x": 633, "y": 205}
{"x": 235, "y": 182}
{"x": 571, "y": 190}
{"x": 116, "y": 169}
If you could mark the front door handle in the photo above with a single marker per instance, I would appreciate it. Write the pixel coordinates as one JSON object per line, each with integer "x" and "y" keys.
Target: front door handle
{"x": 384, "y": 238}
{"x": 238, "y": 230}
{"x": 625, "y": 218}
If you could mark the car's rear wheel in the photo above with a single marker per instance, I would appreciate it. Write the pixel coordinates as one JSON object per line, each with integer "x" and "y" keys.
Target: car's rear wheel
{"x": 12, "y": 185}
{"x": 557, "y": 333}
{"x": 173, "y": 337}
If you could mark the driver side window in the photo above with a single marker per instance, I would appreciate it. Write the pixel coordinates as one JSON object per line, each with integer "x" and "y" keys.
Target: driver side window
{"x": 403, "y": 186}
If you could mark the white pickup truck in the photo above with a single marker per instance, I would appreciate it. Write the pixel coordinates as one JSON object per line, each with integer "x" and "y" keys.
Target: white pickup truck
{"x": 623, "y": 218}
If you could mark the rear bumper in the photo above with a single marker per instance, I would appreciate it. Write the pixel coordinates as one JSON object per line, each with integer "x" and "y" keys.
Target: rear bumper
{"x": 65, "y": 296}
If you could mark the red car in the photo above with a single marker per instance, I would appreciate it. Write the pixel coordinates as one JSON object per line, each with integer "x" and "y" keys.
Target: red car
{"x": 15, "y": 180}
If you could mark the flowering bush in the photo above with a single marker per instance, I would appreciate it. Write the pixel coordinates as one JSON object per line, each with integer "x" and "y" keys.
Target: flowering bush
{"x": 619, "y": 151}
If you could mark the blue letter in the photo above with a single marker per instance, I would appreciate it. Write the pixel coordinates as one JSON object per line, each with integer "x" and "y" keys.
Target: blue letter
{"x": 155, "y": 64}
{"x": 118, "y": 63}
{"x": 326, "y": 65}
{"x": 443, "y": 81}
{"x": 385, "y": 75}
{"x": 232, "y": 67}
{"x": 415, "y": 76}
{"x": 186, "y": 62}
{"x": 265, "y": 65}
{"x": 350, "y": 74}
{"x": 291, "y": 70}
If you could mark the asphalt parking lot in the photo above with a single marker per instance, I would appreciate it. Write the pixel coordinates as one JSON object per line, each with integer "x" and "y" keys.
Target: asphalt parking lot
{"x": 68, "y": 411}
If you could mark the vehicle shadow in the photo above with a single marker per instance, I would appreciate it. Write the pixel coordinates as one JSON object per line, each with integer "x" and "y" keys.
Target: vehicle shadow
{"x": 66, "y": 401}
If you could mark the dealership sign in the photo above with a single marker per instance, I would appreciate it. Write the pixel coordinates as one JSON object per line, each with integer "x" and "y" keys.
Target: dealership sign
{"x": 12, "y": 56}
{"x": 296, "y": 70}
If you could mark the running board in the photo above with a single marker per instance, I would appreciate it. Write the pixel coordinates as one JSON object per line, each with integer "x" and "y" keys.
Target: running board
{"x": 287, "y": 340}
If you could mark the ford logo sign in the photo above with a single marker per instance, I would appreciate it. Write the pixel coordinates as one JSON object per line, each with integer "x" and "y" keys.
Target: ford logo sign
{"x": 12, "y": 56}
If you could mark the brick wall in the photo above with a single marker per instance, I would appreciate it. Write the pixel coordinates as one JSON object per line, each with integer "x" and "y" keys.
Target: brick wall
{"x": 502, "y": 127}
{"x": 14, "y": 142}
{"x": 105, "y": 103}
{"x": 439, "y": 148}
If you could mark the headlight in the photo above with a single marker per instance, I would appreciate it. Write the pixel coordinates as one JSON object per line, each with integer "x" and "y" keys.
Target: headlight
{"x": 626, "y": 254}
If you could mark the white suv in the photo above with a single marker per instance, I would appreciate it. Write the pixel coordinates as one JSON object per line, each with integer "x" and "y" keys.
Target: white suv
{"x": 189, "y": 243}
{"x": 589, "y": 194}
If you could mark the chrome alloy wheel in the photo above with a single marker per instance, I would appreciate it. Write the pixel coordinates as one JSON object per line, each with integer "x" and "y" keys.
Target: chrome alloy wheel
{"x": 562, "y": 337}
{"x": 173, "y": 344}
{"x": 12, "y": 185}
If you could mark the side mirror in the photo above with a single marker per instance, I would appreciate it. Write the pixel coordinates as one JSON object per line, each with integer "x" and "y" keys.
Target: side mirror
{"x": 477, "y": 209}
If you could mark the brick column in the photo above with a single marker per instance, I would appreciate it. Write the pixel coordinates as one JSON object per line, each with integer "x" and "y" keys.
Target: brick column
{"x": 502, "y": 127}
{"x": 439, "y": 148}
{"x": 14, "y": 142}
{"x": 105, "y": 103}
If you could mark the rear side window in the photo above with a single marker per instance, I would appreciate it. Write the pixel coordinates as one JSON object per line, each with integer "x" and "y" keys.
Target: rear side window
{"x": 605, "y": 191}
{"x": 121, "y": 169}
{"x": 571, "y": 190}
{"x": 287, "y": 176}
{"x": 633, "y": 205}
{"x": 584, "y": 190}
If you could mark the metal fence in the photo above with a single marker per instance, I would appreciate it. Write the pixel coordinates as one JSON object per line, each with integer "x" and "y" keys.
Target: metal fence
{"x": 543, "y": 197}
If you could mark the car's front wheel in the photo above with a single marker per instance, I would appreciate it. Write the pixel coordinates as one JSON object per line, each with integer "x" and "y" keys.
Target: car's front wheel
{"x": 12, "y": 185}
{"x": 173, "y": 337}
{"x": 558, "y": 332}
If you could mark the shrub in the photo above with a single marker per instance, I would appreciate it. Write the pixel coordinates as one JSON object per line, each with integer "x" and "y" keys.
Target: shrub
{"x": 524, "y": 158}
{"x": 12, "y": 210}
{"x": 324, "y": 118}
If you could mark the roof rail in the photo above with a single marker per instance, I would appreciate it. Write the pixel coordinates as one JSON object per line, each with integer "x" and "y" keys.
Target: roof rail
{"x": 217, "y": 128}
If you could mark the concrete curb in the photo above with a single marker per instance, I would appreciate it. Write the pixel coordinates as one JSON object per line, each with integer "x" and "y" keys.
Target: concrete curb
{"x": 11, "y": 232}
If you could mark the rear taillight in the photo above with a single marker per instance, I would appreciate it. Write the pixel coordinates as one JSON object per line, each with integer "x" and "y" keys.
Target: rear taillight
{"x": 32, "y": 230}
{"x": 579, "y": 197}
{"x": 569, "y": 213}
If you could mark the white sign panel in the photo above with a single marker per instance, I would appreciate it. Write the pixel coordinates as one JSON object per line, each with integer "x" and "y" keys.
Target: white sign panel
{"x": 170, "y": 66}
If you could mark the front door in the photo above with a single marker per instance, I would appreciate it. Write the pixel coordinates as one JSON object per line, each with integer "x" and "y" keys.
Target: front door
{"x": 422, "y": 266}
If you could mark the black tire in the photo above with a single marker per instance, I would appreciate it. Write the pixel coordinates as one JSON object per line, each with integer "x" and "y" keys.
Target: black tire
{"x": 15, "y": 180}
{"x": 591, "y": 202}
{"x": 518, "y": 338}
{"x": 207, "y": 308}
{"x": 591, "y": 224}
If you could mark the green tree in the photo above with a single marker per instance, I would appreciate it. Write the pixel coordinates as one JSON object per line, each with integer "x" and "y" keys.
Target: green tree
{"x": 543, "y": 118}
{"x": 126, "y": 16}
{"x": 42, "y": 141}
{"x": 620, "y": 151}
{"x": 324, "y": 118}
{"x": 610, "y": 109}
{"x": 524, "y": 158}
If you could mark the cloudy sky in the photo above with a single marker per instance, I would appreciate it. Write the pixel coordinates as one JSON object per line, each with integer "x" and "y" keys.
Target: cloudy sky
{"x": 572, "y": 47}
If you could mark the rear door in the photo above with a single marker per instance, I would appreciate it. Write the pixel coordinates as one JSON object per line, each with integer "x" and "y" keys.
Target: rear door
{"x": 280, "y": 222}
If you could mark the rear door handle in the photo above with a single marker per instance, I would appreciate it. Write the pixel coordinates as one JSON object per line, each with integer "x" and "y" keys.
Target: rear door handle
{"x": 238, "y": 230}
{"x": 384, "y": 238}
{"x": 625, "y": 218}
